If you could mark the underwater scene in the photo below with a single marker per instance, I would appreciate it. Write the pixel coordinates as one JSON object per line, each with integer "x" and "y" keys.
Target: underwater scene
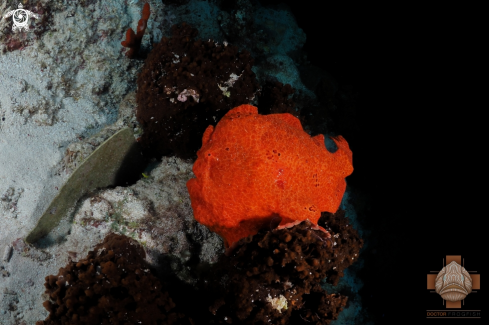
{"x": 176, "y": 162}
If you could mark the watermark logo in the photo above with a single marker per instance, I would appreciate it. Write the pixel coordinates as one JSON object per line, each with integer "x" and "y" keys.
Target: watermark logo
{"x": 454, "y": 284}
{"x": 20, "y": 17}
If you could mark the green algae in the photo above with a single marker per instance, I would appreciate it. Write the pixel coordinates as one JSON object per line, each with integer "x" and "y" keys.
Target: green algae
{"x": 104, "y": 167}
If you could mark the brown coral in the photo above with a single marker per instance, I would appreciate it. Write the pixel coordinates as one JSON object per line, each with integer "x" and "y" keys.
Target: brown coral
{"x": 112, "y": 285}
{"x": 348, "y": 243}
{"x": 187, "y": 85}
{"x": 289, "y": 264}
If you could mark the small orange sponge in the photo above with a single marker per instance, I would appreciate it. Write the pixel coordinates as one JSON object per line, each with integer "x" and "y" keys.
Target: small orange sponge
{"x": 253, "y": 168}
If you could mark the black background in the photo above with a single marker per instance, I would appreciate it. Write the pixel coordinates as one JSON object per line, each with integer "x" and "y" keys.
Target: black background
{"x": 420, "y": 156}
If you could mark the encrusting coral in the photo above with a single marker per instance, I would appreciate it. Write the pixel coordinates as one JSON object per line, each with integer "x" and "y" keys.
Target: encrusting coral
{"x": 255, "y": 168}
{"x": 133, "y": 41}
{"x": 184, "y": 86}
{"x": 274, "y": 277}
{"x": 112, "y": 285}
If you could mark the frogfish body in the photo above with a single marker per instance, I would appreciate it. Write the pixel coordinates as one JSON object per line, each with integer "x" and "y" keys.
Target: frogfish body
{"x": 253, "y": 168}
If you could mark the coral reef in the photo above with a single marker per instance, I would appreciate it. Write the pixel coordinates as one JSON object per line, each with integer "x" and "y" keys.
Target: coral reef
{"x": 264, "y": 167}
{"x": 112, "y": 285}
{"x": 69, "y": 73}
{"x": 274, "y": 277}
{"x": 156, "y": 212}
{"x": 269, "y": 33}
{"x": 133, "y": 41}
{"x": 217, "y": 76}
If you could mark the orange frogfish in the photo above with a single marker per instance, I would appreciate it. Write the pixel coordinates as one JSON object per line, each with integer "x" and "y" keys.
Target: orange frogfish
{"x": 254, "y": 168}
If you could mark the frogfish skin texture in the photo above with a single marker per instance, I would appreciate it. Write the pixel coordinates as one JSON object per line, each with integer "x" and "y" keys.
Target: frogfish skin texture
{"x": 253, "y": 168}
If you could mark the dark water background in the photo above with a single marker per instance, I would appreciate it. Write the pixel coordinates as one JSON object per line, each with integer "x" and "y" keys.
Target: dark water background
{"x": 418, "y": 148}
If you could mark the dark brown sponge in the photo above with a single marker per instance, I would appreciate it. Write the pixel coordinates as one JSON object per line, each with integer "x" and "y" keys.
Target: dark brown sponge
{"x": 348, "y": 243}
{"x": 199, "y": 71}
{"x": 112, "y": 285}
{"x": 283, "y": 264}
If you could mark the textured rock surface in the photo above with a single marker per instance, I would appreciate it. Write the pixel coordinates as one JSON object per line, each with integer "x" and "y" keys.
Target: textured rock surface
{"x": 275, "y": 276}
{"x": 155, "y": 211}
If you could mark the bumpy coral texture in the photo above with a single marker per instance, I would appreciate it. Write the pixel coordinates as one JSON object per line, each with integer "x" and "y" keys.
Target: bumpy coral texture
{"x": 112, "y": 285}
{"x": 187, "y": 84}
{"x": 289, "y": 263}
{"x": 254, "y": 168}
